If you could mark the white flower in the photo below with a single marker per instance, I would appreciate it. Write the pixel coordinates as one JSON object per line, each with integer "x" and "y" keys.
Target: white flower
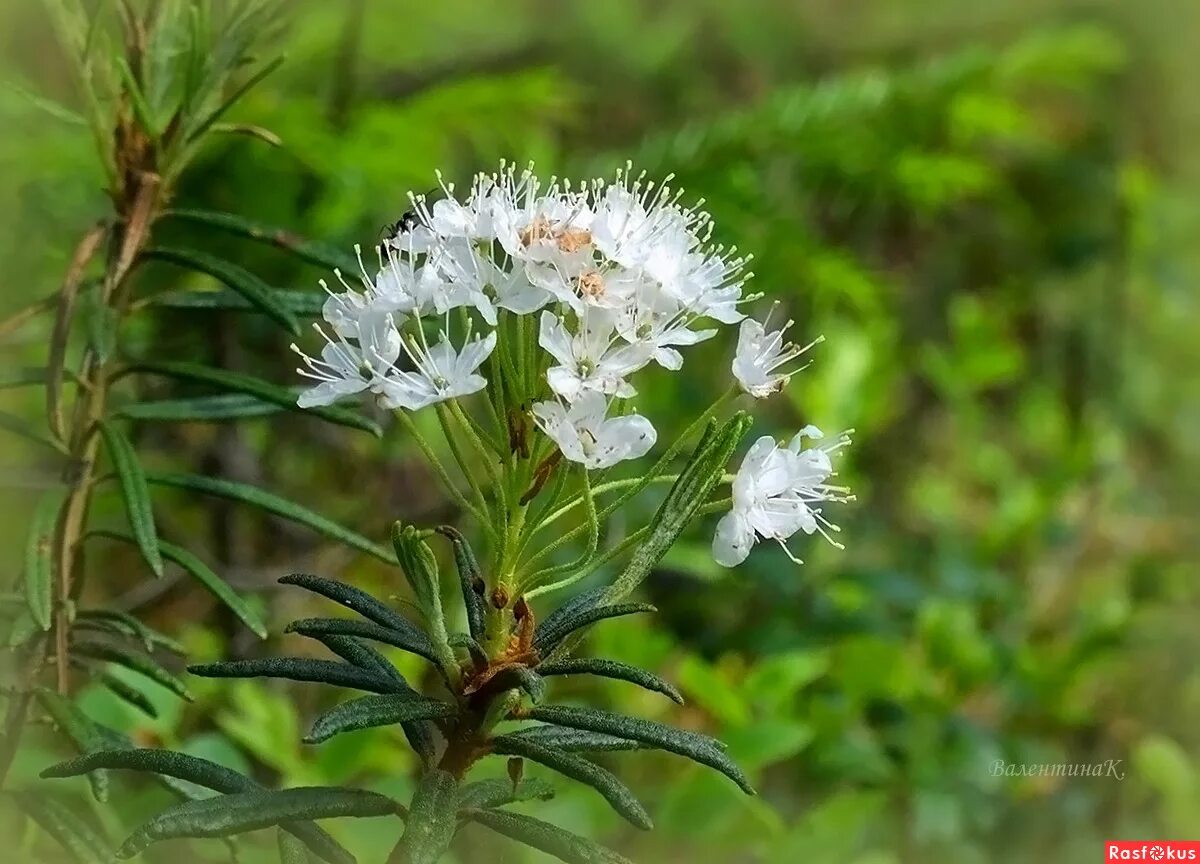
{"x": 761, "y": 357}
{"x": 775, "y": 493}
{"x": 346, "y": 369}
{"x": 592, "y": 360}
{"x": 584, "y": 435}
{"x": 441, "y": 372}
{"x": 657, "y": 322}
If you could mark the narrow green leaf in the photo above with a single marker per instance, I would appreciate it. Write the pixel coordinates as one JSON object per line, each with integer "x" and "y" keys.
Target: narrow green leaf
{"x": 546, "y": 640}
{"x": 689, "y": 493}
{"x": 520, "y": 677}
{"x": 24, "y": 429}
{"x": 431, "y": 820}
{"x": 203, "y": 126}
{"x": 303, "y": 304}
{"x": 291, "y": 850}
{"x": 28, "y": 376}
{"x": 470, "y": 579}
{"x": 117, "y": 621}
{"x": 136, "y": 494}
{"x": 201, "y": 772}
{"x": 577, "y": 768}
{"x": 271, "y": 503}
{"x": 200, "y": 571}
{"x": 257, "y": 388}
{"x": 224, "y": 406}
{"x": 80, "y": 729}
{"x": 485, "y": 794}
{"x": 257, "y": 292}
{"x": 354, "y": 599}
{"x": 381, "y": 710}
{"x": 611, "y": 669}
{"x": 412, "y": 640}
{"x": 74, "y": 834}
{"x": 54, "y": 109}
{"x": 132, "y": 660}
{"x": 250, "y": 811}
{"x": 418, "y": 732}
{"x": 360, "y": 654}
{"x": 128, "y": 693}
{"x": 577, "y": 740}
{"x": 562, "y": 844}
{"x": 699, "y": 748}
{"x": 169, "y": 763}
{"x": 299, "y": 669}
{"x": 315, "y": 253}
{"x": 39, "y": 566}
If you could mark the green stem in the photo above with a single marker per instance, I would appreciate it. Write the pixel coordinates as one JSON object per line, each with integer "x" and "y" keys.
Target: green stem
{"x": 455, "y": 493}
{"x": 647, "y": 478}
{"x": 593, "y": 525}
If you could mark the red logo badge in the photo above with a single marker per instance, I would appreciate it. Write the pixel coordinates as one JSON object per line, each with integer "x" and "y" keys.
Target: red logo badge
{"x": 1152, "y": 850}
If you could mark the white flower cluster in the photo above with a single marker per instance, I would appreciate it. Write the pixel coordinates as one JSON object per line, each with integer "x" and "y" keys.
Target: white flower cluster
{"x": 620, "y": 275}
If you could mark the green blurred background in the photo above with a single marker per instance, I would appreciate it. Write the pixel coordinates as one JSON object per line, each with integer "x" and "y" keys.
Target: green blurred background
{"x": 988, "y": 210}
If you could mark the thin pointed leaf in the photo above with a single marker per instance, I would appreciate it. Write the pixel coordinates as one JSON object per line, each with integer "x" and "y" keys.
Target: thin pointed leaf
{"x": 77, "y": 726}
{"x": 546, "y": 640}
{"x": 291, "y": 850}
{"x": 562, "y": 844}
{"x": 122, "y": 622}
{"x": 299, "y": 669}
{"x": 236, "y": 813}
{"x": 136, "y": 494}
{"x": 128, "y": 693}
{"x": 271, "y": 503}
{"x": 315, "y": 253}
{"x": 256, "y": 387}
{"x": 418, "y": 732}
{"x": 168, "y": 763}
{"x": 201, "y": 572}
{"x": 257, "y": 292}
{"x": 382, "y": 710}
{"x": 688, "y": 494}
{"x": 71, "y": 832}
{"x": 134, "y": 661}
{"x": 39, "y": 566}
{"x": 24, "y": 429}
{"x": 571, "y": 608}
{"x": 412, "y": 640}
{"x": 354, "y": 599}
{"x": 485, "y": 794}
{"x": 577, "y": 740}
{"x": 225, "y": 406}
{"x": 470, "y": 578}
{"x": 200, "y": 772}
{"x": 303, "y": 304}
{"x": 611, "y": 669}
{"x": 615, "y": 792}
{"x": 699, "y": 748}
{"x": 431, "y": 820}
{"x": 360, "y": 654}
{"x": 200, "y": 128}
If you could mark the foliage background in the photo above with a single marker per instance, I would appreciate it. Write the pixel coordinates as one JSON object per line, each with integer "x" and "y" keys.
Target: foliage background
{"x": 987, "y": 209}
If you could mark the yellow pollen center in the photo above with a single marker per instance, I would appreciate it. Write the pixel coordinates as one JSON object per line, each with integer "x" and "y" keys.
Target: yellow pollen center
{"x": 536, "y": 231}
{"x": 574, "y": 239}
{"x": 591, "y": 284}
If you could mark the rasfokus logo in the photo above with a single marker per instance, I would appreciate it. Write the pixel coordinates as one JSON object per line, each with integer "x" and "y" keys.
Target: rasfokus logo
{"x": 1152, "y": 850}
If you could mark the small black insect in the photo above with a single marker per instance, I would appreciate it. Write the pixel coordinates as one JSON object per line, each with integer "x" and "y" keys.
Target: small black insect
{"x": 407, "y": 222}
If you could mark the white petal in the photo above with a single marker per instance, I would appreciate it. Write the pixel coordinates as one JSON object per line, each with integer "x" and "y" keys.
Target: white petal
{"x": 733, "y": 540}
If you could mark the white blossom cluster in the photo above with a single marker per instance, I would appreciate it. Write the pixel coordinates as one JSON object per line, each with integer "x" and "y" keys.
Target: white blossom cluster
{"x": 619, "y": 274}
